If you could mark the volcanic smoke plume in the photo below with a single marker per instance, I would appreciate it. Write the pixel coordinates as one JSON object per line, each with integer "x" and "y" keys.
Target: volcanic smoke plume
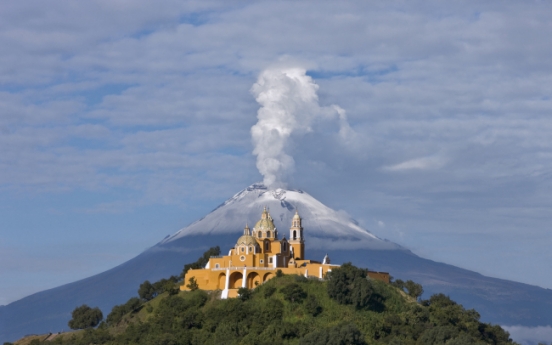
{"x": 289, "y": 105}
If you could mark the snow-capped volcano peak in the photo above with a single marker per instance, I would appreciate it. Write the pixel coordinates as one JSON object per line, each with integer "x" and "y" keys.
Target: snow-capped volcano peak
{"x": 324, "y": 227}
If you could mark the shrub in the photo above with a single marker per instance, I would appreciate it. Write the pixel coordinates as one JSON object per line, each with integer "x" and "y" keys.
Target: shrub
{"x": 293, "y": 293}
{"x": 312, "y": 306}
{"x": 147, "y": 291}
{"x": 85, "y": 317}
{"x": 269, "y": 291}
{"x": 192, "y": 284}
{"x": 244, "y": 294}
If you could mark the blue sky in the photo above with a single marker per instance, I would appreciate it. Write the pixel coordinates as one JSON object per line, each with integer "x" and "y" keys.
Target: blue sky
{"x": 122, "y": 122}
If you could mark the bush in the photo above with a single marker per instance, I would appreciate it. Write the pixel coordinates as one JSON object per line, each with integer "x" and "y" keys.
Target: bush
{"x": 350, "y": 285}
{"x": 293, "y": 293}
{"x": 244, "y": 294}
{"x": 192, "y": 284}
{"x": 85, "y": 317}
{"x": 147, "y": 291}
{"x": 312, "y": 306}
{"x": 118, "y": 311}
{"x": 269, "y": 291}
{"x": 343, "y": 334}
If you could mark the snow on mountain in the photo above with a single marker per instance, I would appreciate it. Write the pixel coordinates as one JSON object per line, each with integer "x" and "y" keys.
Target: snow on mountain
{"x": 324, "y": 227}
{"x": 327, "y": 232}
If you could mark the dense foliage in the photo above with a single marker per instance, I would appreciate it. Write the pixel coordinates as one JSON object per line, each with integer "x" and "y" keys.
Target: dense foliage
{"x": 85, "y": 317}
{"x": 411, "y": 288}
{"x": 346, "y": 308}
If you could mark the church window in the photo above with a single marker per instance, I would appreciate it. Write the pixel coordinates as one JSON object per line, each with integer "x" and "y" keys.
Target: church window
{"x": 284, "y": 246}
{"x": 260, "y": 234}
{"x": 262, "y": 261}
{"x": 251, "y": 249}
{"x": 266, "y": 245}
{"x": 242, "y": 249}
{"x": 268, "y": 234}
{"x": 294, "y": 234}
{"x": 242, "y": 258}
{"x": 270, "y": 260}
{"x": 217, "y": 266}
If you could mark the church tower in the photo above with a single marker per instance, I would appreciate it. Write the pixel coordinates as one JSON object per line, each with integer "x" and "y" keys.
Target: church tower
{"x": 296, "y": 239}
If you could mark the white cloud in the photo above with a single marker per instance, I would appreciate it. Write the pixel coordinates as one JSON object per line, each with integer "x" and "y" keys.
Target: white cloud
{"x": 152, "y": 100}
{"x": 423, "y": 163}
{"x": 530, "y": 335}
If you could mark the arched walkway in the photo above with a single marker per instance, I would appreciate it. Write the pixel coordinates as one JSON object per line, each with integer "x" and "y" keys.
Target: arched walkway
{"x": 236, "y": 280}
{"x": 267, "y": 276}
{"x": 253, "y": 278}
{"x": 221, "y": 283}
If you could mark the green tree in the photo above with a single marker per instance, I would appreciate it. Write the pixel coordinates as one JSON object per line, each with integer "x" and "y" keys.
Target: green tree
{"x": 413, "y": 289}
{"x": 343, "y": 334}
{"x": 192, "y": 284}
{"x": 85, "y": 317}
{"x": 398, "y": 284}
{"x": 293, "y": 293}
{"x": 147, "y": 291}
{"x": 269, "y": 291}
{"x": 350, "y": 285}
{"x": 244, "y": 294}
{"x": 312, "y": 306}
{"x": 118, "y": 311}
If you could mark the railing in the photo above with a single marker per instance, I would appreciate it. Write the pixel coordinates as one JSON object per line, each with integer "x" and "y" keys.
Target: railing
{"x": 242, "y": 268}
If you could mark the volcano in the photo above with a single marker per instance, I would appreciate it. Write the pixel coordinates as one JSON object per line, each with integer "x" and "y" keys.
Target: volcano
{"x": 326, "y": 232}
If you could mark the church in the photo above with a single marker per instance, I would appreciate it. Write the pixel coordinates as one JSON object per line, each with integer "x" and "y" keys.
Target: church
{"x": 256, "y": 257}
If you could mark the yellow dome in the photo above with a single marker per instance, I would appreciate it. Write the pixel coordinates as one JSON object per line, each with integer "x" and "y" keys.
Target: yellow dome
{"x": 265, "y": 223}
{"x": 247, "y": 240}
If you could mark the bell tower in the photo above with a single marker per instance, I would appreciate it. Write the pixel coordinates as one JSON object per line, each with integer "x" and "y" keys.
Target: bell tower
{"x": 296, "y": 239}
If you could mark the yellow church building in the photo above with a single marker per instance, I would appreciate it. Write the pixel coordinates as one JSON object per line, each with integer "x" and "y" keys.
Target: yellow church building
{"x": 256, "y": 257}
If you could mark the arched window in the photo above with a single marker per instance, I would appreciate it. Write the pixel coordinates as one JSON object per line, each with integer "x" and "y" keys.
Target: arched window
{"x": 284, "y": 246}
{"x": 266, "y": 245}
{"x": 260, "y": 234}
{"x": 217, "y": 266}
{"x": 268, "y": 234}
{"x": 251, "y": 249}
{"x": 242, "y": 249}
{"x": 294, "y": 234}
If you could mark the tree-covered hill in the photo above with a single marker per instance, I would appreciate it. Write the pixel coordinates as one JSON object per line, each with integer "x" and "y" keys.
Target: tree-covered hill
{"x": 346, "y": 308}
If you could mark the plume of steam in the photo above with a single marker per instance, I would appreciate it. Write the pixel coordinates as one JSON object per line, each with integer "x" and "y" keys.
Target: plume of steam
{"x": 289, "y": 105}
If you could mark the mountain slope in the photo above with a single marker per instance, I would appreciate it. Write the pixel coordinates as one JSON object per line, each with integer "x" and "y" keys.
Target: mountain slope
{"x": 326, "y": 231}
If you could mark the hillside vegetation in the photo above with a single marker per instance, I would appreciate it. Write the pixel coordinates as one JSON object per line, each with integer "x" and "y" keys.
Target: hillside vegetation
{"x": 347, "y": 308}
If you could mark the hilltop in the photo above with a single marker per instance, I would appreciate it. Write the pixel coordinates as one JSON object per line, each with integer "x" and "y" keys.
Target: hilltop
{"x": 346, "y": 308}
{"x": 327, "y": 231}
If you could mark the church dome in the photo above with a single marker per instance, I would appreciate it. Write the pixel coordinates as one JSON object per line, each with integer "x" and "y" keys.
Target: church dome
{"x": 265, "y": 223}
{"x": 247, "y": 240}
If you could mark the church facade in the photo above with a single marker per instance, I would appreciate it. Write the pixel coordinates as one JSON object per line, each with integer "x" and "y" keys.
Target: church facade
{"x": 256, "y": 257}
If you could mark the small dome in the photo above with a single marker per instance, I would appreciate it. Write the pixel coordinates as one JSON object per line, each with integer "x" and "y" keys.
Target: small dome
{"x": 296, "y": 216}
{"x": 247, "y": 240}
